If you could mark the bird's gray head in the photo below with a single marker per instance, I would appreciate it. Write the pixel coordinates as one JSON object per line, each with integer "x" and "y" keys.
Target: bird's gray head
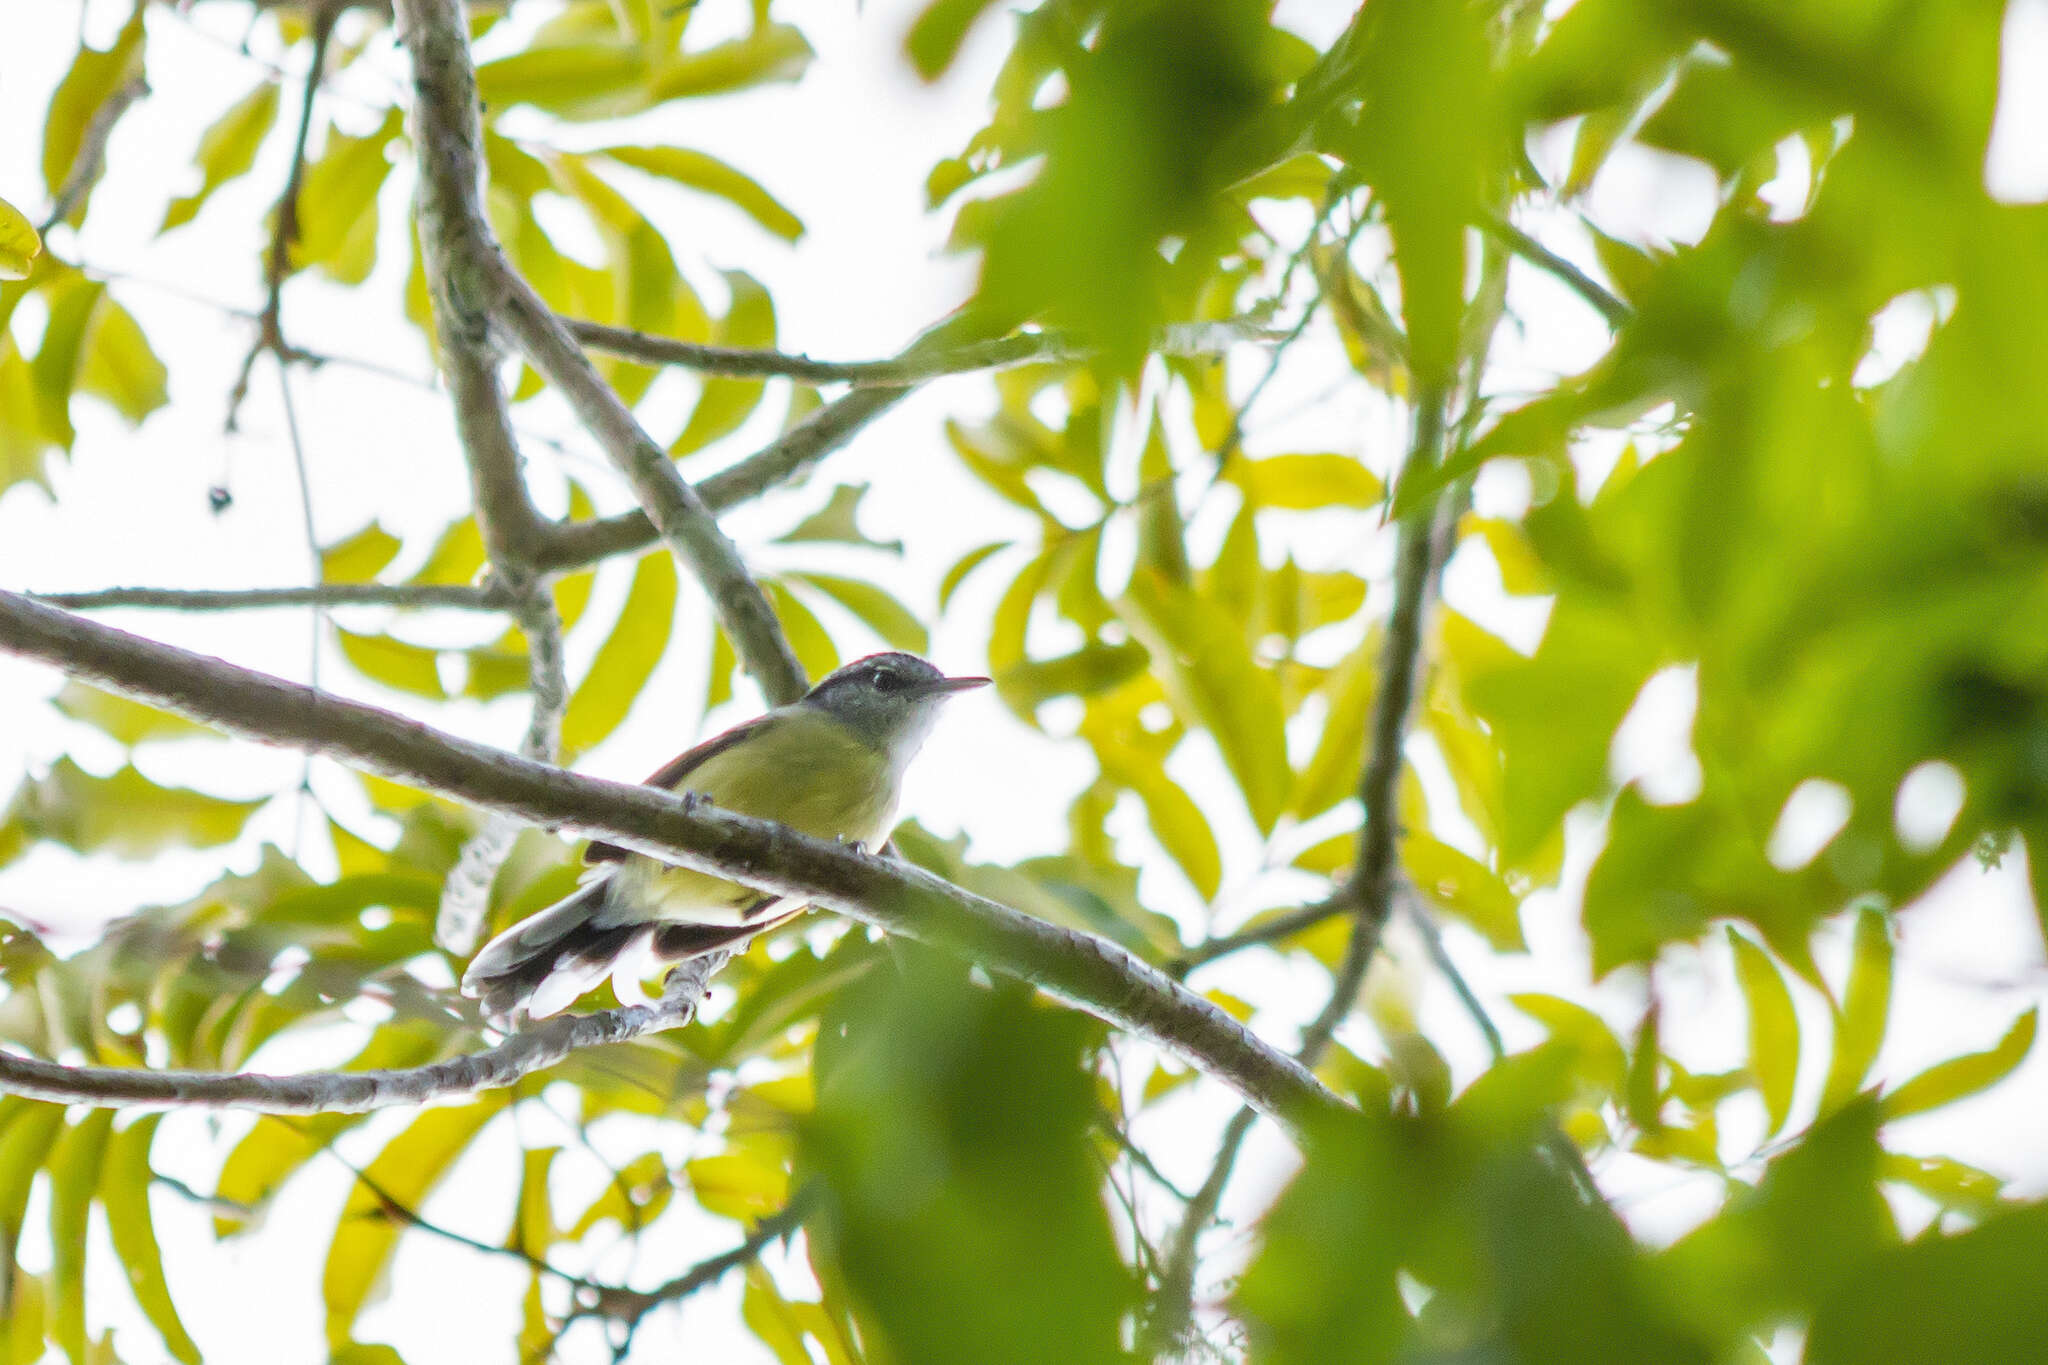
{"x": 889, "y": 700}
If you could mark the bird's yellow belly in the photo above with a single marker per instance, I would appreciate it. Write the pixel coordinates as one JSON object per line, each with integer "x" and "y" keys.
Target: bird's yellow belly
{"x": 813, "y": 778}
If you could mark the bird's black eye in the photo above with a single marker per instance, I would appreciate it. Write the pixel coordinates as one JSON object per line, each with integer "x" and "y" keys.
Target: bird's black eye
{"x": 887, "y": 680}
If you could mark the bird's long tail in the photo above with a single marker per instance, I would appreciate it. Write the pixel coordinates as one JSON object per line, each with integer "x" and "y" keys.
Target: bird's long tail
{"x": 550, "y": 958}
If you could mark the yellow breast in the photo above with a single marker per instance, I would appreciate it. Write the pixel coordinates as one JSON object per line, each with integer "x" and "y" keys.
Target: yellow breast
{"x": 804, "y": 770}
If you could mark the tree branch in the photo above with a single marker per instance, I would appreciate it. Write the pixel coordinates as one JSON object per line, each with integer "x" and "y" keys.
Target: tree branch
{"x": 1183, "y": 339}
{"x": 490, "y": 598}
{"x": 350, "y": 1092}
{"x": 475, "y": 270}
{"x": 91, "y": 156}
{"x": 786, "y": 458}
{"x": 1617, "y": 312}
{"x": 1079, "y": 968}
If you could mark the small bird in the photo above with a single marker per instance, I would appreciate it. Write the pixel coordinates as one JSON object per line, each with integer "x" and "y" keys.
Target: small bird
{"x": 830, "y": 765}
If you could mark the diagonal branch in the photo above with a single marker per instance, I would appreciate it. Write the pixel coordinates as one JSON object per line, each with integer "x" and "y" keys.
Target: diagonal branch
{"x": 786, "y": 458}
{"x": 1614, "y": 310}
{"x": 1195, "y": 339}
{"x": 1079, "y": 968}
{"x": 475, "y": 274}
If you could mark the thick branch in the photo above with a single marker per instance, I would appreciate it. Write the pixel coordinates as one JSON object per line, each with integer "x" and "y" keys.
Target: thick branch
{"x": 317, "y": 595}
{"x": 1084, "y": 970}
{"x": 1185, "y": 339}
{"x": 474, "y": 270}
{"x": 348, "y": 1092}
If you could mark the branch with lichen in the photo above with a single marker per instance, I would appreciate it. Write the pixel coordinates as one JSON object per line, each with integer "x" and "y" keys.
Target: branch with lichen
{"x": 1082, "y": 969}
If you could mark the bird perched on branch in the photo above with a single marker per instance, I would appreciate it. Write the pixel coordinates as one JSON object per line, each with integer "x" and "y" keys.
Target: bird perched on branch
{"x": 830, "y": 764}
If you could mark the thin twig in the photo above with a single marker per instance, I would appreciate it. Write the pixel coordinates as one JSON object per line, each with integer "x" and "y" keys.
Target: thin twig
{"x": 409, "y": 595}
{"x": 629, "y": 1306}
{"x": 1271, "y": 931}
{"x": 91, "y": 156}
{"x": 319, "y": 631}
{"x": 1077, "y": 967}
{"x": 1614, "y": 310}
{"x": 284, "y": 222}
{"x": 1202, "y": 339}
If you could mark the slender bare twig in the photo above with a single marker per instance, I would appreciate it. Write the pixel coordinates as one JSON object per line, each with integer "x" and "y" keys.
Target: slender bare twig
{"x": 1617, "y": 312}
{"x": 91, "y": 156}
{"x": 411, "y": 595}
{"x": 1271, "y": 931}
{"x": 1369, "y": 890}
{"x": 629, "y": 1306}
{"x": 284, "y": 220}
{"x": 1080, "y": 968}
{"x": 1182, "y": 339}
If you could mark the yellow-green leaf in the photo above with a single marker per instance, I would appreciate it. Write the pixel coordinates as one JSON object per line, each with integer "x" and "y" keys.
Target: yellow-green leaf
{"x": 130, "y": 722}
{"x": 406, "y": 1171}
{"x": 807, "y": 635}
{"x": 1465, "y": 887}
{"x": 1305, "y": 483}
{"x": 1213, "y": 681}
{"x": 1773, "y": 1027}
{"x": 838, "y": 522}
{"x": 19, "y": 243}
{"x": 93, "y": 79}
{"x": 964, "y": 566}
{"x": 337, "y": 209}
{"x": 74, "y": 1177}
{"x": 413, "y": 669}
{"x": 747, "y": 1183}
{"x": 874, "y": 606}
{"x": 772, "y": 52}
{"x": 725, "y": 403}
{"x": 1333, "y": 769}
{"x": 227, "y": 149}
{"x": 358, "y": 558}
{"x": 574, "y": 80}
{"x": 119, "y": 365}
{"x": 1176, "y": 821}
{"x": 628, "y": 656}
{"x": 1946, "y": 1082}
{"x": 1602, "y": 1061}
{"x": 700, "y": 171}
{"x": 124, "y": 1192}
{"x": 1866, "y": 1001}
{"x": 125, "y": 814}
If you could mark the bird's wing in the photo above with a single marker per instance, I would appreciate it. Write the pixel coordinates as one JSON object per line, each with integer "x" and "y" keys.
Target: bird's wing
{"x": 670, "y": 776}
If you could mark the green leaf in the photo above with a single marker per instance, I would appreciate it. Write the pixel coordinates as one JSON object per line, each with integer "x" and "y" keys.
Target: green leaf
{"x": 360, "y": 557}
{"x": 406, "y": 1171}
{"x": 1946, "y": 1082}
{"x": 725, "y": 403}
{"x": 700, "y": 171}
{"x": 573, "y": 80}
{"x": 838, "y": 522}
{"x": 1214, "y": 682}
{"x": 125, "y": 814}
{"x": 74, "y": 1177}
{"x": 124, "y": 1192}
{"x": 337, "y": 208}
{"x": 966, "y": 565}
{"x": 73, "y": 302}
{"x": 130, "y": 722}
{"x": 627, "y": 658}
{"x": 119, "y": 365}
{"x": 1601, "y": 1060}
{"x": 748, "y": 1182}
{"x": 19, "y": 243}
{"x": 934, "y": 40}
{"x": 1307, "y": 483}
{"x": 1465, "y": 888}
{"x": 227, "y": 149}
{"x": 807, "y": 634}
{"x": 771, "y": 53}
{"x": 408, "y": 668}
{"x": 93, "y": 79}
{"x": 27, "y": 1128}
{"x": 875, "y": 606}
{"x": 1866, "y": 1001}
{"x": 1773, "y": 1027}
{"x": 1332, "y": 771}
{"x": 1092, "y": 669}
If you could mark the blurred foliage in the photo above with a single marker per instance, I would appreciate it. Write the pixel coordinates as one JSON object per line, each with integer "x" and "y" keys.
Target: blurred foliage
{"x": 1838, "y": 547}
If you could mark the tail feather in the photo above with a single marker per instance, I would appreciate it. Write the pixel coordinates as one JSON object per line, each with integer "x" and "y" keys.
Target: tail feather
{"x": 549, "y": 959}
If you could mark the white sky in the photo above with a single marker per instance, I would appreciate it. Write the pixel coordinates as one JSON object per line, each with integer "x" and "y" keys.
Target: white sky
{"x": 848, "y": 149}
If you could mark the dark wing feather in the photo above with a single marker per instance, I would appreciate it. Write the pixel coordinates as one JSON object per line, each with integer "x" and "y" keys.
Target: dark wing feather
{"x": 670, "y": 776}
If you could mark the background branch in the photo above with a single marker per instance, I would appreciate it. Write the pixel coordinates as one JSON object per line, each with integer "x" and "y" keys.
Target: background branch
{"x": 489, "y": 598}
{"x": 1076, "y": 967}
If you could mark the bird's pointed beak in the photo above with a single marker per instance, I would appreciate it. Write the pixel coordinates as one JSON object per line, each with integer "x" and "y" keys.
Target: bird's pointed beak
{"x": 946, "y": 687}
